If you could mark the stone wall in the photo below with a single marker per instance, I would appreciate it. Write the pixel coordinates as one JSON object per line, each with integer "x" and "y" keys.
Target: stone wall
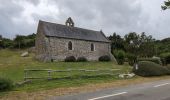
{"x": 58, "y": 49}
{"x": 41, "y": 48}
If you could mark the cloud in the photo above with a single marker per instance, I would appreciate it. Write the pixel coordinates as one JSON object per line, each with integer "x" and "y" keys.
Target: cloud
{"x": 8, "y": 10}
{"x": 35, "y": 2}
{"x": 22, "y": 16}
{"x": 110, "y": 15}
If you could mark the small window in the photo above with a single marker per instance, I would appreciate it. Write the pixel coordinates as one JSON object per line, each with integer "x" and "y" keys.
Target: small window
{"x": 70, "y": 46}
{"x": 92, "y": 47}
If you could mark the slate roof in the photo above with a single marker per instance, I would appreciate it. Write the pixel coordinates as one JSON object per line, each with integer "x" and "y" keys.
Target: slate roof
{"x": 63, "y": 31}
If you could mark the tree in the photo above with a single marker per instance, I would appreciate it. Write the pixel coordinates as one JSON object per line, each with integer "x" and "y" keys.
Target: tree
{"x": 117, "y": 42}
{"x": 132, "y": 42}
{"x": 0, "y": 37}
{"x": 166, "y": 5}
{"x": 6, "y": 43}
{"x": 19, "y": 40}
{"x": 139, "y": 44}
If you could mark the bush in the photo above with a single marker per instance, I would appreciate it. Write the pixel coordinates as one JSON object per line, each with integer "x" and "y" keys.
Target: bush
{"x": 165, "y": 57}
{"x": 155, "y": 60}
{"x": 70, "y": 59}
{"x": 104, "y": 58}
{"x": 131, "y": 58}
{"x": 148, "y": 68}
{"x": 5, "y": 84}
{"x": 81, "y": 59}
{"x": 120, "y": 56}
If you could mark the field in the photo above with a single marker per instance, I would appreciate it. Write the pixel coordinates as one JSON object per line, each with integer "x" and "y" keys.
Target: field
{"x": 12, "y": 66}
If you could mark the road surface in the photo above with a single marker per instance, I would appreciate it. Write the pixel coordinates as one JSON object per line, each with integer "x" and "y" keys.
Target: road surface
{"x": 159, "y": 90}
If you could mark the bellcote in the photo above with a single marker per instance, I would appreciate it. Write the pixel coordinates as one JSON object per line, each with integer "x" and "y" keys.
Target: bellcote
{"x": 69, "y": 22}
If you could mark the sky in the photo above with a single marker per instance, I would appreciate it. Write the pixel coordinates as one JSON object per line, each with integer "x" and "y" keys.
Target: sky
{"x": 120, "y": 16}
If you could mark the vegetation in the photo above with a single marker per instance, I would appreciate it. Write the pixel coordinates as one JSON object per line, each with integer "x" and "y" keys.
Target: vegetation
{"x": 155, "y": 60}
{"x": 6, "y": 43}
{"x": 140, "y": 47}
{"x": 166, "y": 5}
{"x": 162, "y": 46}
{"x": 5, "y": 84}
{"x": 147, "y": 68}
{"x": 70, "y": 59}
{"x": 131, "y": 58}
{"x": 133, "y": 43}
{"x": 120, "y": 56}
{"x": 131, "y": 47}
{"x": 104, "y": 58}
{"x": 165, "y": 58}
{"x": 12, "y": 67}
{"x": 117, "y": 42}
{"x": 81, "y": 59}
{"x": 18, "y": 42}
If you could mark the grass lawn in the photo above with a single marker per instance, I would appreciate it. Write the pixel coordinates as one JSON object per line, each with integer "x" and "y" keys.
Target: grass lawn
{"x": 12, "y": 66}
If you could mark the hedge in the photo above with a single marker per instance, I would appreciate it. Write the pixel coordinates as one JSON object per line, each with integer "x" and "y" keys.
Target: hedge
{"x": 104, "y": 58}
{"x": 70, "y": 59}
{"x": 81, "y": 59}
{"x": 148, "y": 68}
{"x": 5, "y": 84}
{"x": 165, "y": 57}
{"x": 155, "y": 60}
{"x": 120, "y": 56}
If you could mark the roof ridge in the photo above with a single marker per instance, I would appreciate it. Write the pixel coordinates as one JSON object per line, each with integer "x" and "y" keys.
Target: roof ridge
{"x": 60, "y": 30}
{"x": 69, "y": 26}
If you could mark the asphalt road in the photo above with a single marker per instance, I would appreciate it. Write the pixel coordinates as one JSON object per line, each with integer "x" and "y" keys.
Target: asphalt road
{"x": 159, "y": 90}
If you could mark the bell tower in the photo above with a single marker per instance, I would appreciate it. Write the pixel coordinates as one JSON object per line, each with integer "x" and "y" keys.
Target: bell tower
{"x": 69, "y": 22}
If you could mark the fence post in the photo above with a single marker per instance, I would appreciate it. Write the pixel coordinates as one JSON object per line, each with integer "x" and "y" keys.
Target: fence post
{"x": 49, "y": 74}
{"x": 25, "y": 75}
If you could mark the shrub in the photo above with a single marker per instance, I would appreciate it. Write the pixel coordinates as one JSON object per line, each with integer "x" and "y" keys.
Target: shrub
{"x": 5, "y": 84}
{"x": 81, "y": 59}
{"x": 163, "y": 61}
{"x": 155, "y": 60}
{"x": 120, "y": 56}
{"x": 131, "y": 58}
{"x": 70, "y": 59}
{"x": 165, "y": 57}
{"x": 104, "y": 58}
{"x": 148, "y": 68}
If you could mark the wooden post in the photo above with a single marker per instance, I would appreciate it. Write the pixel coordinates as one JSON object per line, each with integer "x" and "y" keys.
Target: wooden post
{"x": 49, "y": 75}
{"x": 25, "y": 75}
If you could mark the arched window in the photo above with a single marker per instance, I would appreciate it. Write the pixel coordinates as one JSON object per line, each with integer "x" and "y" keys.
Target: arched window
{"x": 70, "y": 45}
{"x": 92, "y": 47}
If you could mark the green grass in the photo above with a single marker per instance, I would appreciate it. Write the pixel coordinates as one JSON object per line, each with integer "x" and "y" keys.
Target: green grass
{"x": 12, "y": 66}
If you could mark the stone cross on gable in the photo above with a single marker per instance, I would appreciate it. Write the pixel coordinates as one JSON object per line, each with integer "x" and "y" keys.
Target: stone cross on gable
{"x": 69, "y": 22}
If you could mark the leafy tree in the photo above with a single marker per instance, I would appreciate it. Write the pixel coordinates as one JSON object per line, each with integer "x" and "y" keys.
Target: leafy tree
{"x": 139, "y": 44}
{"x": 117, "y": 42}
{"x": 24, "y": 41}
{"x": 166, "y": 5}
{"x": 132, "y": 43}
{"x": 6, "y": 43}
{"x": 0, "y": 37}
{"x": 120, "y": 56}
{"x": 131, "y": 38}
{"x": 19, "y": 41}
{"x": 147, "y": 48}
{"x": 162, "y": 46}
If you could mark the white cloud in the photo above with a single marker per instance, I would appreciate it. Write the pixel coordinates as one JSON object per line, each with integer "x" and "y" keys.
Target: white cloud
{"x": 21, "y": 16}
